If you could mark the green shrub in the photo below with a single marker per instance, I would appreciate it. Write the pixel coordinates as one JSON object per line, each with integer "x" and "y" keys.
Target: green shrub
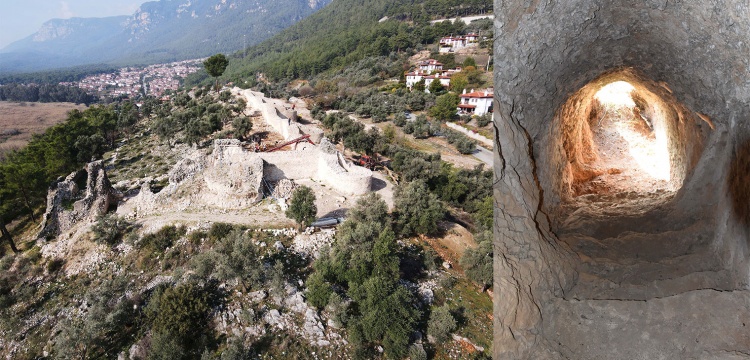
{"x": 417, "y": 209}
{"x": 234, "y": 256}
{"x": 195, "y": 237}
{"x": 107, "y": 325}
{"x": 179, "y": 317}
{"x": 417, "y": 352}
{"x": 441, "y": 323}
{"x": 110, "y": 229}
{"x": 54, "y": 265}
{"x": 219, "y": 231}
{"x": 162, "y": 239}
{"x": 302, "y": 207}
{"x": 477, "y": 262}
{"x": 483, "y": 120}
{"x": 318, "y": 291}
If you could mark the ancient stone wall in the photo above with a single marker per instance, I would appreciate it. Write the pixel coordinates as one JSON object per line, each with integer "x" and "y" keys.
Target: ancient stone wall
{"x": 283, "y": 120}
{"x": 68, "y": 204}
{"x": 344, "y": 176}
{"x": 565, "y": 265}
{"x": 271, "y": 114}
{"x": 322, "y": 163}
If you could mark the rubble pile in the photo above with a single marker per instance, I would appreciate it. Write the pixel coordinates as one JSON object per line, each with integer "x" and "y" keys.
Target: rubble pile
{"x": 284, "y": 189}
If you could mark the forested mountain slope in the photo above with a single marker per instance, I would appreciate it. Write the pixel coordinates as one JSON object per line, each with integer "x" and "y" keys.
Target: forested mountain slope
{"x": 346, "y": 31}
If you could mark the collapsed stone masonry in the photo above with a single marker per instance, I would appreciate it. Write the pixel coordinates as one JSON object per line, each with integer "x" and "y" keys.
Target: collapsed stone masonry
{"x": 322, "y": 163}
{"x": 590, "y": 272}
{"x": 68, "y": 203}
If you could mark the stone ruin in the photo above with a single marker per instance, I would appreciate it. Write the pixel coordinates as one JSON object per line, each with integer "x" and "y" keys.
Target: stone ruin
{"x": 232, "y": 177}
{"x": 69, "y": 202}
{"x": 322, "y": 163}
{"x": 281, "y": 118}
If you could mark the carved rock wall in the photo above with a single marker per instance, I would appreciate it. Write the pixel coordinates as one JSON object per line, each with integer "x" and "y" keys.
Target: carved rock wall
{"x": 614, "y": 279}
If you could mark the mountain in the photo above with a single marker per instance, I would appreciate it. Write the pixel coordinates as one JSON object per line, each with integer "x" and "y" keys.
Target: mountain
{"x": 159, "y": 31}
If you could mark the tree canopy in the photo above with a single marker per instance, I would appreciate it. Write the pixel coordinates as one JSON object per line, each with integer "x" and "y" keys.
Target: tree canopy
{"x": 446, "y": 107}
{"x": 216, "y": 64}
{"x": 302, "y": 207}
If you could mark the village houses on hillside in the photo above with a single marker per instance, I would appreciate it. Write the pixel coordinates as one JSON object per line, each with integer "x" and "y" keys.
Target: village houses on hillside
{"x": 471, "y": 103}
{"x": 450, "y": 44}
{"x": 430, "y": 70}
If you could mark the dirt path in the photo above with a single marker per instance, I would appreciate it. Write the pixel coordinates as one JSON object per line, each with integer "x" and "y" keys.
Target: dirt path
{"x": 629, "y": 153}
{"x": 267, "y": 218}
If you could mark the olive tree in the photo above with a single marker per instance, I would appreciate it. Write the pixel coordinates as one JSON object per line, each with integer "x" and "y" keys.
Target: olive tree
{"x": 302, "y": 207}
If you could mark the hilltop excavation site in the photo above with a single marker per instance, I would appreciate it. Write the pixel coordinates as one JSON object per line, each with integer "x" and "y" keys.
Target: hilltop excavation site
{"x": 230, "y": 181}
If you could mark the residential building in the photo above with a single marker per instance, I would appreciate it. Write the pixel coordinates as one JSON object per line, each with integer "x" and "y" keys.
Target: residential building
{"x": 476, "y": 102}
{"x": 430, "y": 65}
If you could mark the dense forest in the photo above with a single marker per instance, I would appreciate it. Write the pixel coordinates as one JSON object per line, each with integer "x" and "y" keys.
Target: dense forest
{"x": 57, "y": 76}
{"x": 45, "y": 93}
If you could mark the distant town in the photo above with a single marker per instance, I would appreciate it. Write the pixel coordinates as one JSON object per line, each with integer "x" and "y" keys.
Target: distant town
{"x": 133, "y": 81}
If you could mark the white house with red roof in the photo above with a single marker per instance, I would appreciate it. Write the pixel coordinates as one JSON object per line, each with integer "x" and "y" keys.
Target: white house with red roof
{"x": 476, "y": 102}
{"x": 430, "y": 65}
{"x": 450, "y": 44}
{"x": 414, "y": 77}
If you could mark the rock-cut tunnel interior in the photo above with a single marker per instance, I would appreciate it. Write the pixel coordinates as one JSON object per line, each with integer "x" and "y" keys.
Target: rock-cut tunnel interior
{"x": 622, "y": 179}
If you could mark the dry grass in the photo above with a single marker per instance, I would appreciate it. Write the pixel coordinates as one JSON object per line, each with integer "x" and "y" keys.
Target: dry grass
{"x": 27, "y": 119}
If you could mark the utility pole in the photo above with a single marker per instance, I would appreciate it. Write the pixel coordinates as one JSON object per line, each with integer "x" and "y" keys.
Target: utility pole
{"x": 244, "y": 45}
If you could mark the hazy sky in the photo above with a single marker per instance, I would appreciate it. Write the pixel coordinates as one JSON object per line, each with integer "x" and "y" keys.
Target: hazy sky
{"x": 21, "y": 18}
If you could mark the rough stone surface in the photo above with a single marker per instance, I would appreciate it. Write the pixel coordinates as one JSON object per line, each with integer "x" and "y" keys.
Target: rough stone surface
{"x": 621, "y": 275}
{"x": 68, "y": 205}
{"x": 281, "y": 117}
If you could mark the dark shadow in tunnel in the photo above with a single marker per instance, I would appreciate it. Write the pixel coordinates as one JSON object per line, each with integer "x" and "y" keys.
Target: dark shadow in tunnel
{"x": 739, "y": 182}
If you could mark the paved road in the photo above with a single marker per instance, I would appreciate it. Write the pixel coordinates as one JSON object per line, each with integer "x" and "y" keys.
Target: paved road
{"x": 484, "y": 155}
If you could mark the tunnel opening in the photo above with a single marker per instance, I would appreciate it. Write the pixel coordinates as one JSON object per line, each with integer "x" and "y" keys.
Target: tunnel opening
{"x": 591, "y": 268}
{"x": 625, "y": 140}
{"x": 631, "y": 149}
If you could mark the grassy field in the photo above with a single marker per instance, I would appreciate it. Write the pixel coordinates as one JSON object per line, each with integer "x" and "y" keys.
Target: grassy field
{"x": 20, "y": 120}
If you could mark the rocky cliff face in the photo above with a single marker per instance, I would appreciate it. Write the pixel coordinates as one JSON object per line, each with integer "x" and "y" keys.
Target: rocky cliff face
{"x": 626, "y": 273}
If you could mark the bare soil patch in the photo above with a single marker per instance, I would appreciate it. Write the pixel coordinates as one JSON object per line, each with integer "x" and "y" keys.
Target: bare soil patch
{"x": 454, "y": 242}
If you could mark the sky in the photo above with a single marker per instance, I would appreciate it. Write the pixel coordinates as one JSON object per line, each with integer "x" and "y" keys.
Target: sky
{"x": 21, "y": 18}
